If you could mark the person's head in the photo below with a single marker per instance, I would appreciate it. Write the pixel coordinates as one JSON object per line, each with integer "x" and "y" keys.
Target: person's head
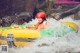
{"x": 41, "y": 16}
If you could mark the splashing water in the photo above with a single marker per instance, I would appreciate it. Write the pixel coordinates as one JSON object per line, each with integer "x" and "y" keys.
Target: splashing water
{"x": 62, "y": 40}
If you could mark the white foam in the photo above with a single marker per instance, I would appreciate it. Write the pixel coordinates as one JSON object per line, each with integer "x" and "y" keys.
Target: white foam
{"x": 70, "y": 43}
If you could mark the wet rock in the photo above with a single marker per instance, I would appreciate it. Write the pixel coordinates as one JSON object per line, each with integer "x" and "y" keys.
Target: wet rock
{"x": 7, "y": 21}
{"x": 68, "y": 13}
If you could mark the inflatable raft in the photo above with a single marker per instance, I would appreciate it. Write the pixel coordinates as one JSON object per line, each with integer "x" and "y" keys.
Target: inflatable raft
{"x": 21, "y": 36}
{"x": 72, "y": 25}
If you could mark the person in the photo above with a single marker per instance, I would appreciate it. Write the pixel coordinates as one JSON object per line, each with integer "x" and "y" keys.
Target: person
{"x": 42, "y": 22}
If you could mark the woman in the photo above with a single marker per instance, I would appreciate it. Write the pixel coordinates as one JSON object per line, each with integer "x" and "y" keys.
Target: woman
{"x": 42, "y": 22}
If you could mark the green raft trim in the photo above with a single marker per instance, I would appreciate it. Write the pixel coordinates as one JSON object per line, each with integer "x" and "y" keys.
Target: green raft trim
{"x": 23, "y": 26}
{"x": 5, "y": 28}
{"x": 54, "y": 32}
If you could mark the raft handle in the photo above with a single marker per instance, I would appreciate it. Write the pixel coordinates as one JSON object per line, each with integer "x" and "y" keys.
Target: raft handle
{"x": 10, "y": 40}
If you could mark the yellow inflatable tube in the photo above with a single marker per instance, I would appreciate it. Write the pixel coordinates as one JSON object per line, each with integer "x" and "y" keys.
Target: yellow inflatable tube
{"x": 71, "y": 24}
{"x": 21, "y": 37}
{"x": 22, "y": 33}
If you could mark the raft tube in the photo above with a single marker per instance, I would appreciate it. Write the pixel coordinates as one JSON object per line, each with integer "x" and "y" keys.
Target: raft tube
{"x": 22, "y": 36}
{"x": 72, "y": 25}
{"x": 18, "y": 38}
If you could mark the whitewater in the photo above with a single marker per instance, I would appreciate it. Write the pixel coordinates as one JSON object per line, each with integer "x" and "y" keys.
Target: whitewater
{"x": 57, "y": 42}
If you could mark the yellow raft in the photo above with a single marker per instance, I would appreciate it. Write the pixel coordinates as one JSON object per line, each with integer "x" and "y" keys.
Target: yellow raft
{"x": 20, "y": 37}
{"x": 73, "y": 25}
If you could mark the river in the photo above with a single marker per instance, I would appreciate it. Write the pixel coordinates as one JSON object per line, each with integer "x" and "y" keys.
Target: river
{"x": 59, "y": 42}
